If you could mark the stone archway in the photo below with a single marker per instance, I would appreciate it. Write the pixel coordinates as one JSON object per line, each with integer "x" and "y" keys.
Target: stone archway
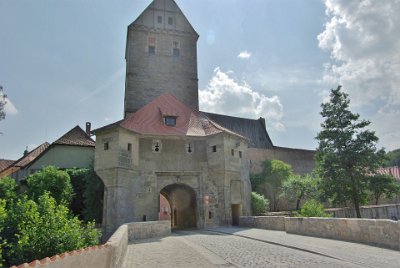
{"x": 182, "y": 204}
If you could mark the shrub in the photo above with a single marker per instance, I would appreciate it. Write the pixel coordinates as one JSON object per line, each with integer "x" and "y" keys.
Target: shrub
{"x": 44, "y": 229}
{"x": 259, "y": 204}
{"x": 312, "y": 208}
{"x": 50, "y": 179}
{"x": 8, "y": 189}
{"x": 3, "y": 217}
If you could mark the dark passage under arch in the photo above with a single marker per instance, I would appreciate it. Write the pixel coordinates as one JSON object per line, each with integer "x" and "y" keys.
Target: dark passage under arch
{"x": 182, "y": 205}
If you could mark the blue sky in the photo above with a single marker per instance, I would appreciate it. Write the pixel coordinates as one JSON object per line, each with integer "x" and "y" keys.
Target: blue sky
{"x": 62, "y": 64}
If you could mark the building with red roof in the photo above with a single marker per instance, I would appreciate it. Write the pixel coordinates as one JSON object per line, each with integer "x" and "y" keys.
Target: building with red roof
{"x": 73, "y": 149}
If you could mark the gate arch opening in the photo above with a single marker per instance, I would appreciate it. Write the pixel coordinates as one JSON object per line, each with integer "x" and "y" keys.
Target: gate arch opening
{"x": 180, "y": 207}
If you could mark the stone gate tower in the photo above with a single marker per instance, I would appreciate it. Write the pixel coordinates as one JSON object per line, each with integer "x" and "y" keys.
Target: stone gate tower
{"x": 161, "y": 56}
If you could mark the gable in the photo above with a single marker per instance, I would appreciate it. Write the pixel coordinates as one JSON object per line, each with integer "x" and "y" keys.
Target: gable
{"x": 164, "y": 15}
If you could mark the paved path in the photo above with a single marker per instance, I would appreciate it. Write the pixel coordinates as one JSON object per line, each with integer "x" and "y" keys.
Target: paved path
{"x": 240, "y": 247}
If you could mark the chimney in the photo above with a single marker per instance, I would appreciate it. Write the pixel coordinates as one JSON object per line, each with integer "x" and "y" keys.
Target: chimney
{"x": 26, "y": 151}
{"x": 88, "y": 126}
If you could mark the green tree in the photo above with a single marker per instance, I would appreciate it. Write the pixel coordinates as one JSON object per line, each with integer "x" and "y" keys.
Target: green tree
{"x": 50, "y": 179}
{"x": 313, "y": 208}
{"x": 2, "y": 103}
{"x": 3, "y": 218}
{"x": 393, "y": 158}
{"x": 44, "y": 229}
{"x": 259, "y": 205}
{"x": 383, "y": 185}
{"x": 93, "y": 197}
{"x": 269, "y": 181}
{"x": 298, "y": 188}
{"x": 347, "y": 153}
{"x": 8, "y": 189}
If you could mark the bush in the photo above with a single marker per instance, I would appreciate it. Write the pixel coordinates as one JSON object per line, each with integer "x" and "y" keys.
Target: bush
{"x": 3, "y": 217}
{"x": 8, "y": 189}
{"x": 44, "y": 229}
{"x": 93, "y": 197}
{"x": 259, "y": 204}
{"x": 313, "y": 208}
{"x": 52, "y": 180}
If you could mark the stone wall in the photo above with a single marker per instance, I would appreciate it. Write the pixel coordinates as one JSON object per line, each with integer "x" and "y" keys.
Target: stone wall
{"x": 109, "y": 255}
{"x": 368, "y": 212}
{"x": 302, "y": 161}
{"x": 382, "y": 233}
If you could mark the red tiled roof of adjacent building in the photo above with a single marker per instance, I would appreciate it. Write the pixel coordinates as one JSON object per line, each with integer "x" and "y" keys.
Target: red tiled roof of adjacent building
{"x": 150, "y": 120}
{"x": 76, "y": 136}
{"x": 393, "y": 171}
{"x": 32, "y": 155}
{"x": 5, "y": 163}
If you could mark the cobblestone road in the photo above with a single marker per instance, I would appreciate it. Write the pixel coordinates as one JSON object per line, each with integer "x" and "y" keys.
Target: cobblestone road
{"x": 212, "y": 249}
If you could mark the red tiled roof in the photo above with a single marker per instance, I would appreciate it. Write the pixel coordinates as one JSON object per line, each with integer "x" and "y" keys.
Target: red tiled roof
{"x": 5, "y": 163}
{"x": 32, "y": 155}
{"x": 393, "y": 171}
{"x": 150, "y": 119}
{"x": 75, "y": 136}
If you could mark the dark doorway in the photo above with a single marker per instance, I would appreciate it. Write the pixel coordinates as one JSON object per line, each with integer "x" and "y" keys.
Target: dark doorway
{"x": 182, "y": 204}
{"x": 235, "y": 214}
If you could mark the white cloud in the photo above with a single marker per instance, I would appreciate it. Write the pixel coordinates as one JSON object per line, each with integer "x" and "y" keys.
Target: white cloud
{"x": 10, "y": 108}
{"x": 363, "y": 38}
{"x": 224, "y": 95}
{"x": 244, "y": 55}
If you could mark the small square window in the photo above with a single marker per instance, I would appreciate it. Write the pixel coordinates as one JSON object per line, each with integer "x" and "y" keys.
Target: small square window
{"x": 240, "y": 154}
{"x": 129, "y": 147}
{"x": 170, "y": 121}
{"x": 152, "y": 50}
{"x": 159, "y": 19}
{"x": 176, "y": 52}
{"x": 214, "y": 148}
{"x": 106, "y": 146}
{"x": 170, "y": 21}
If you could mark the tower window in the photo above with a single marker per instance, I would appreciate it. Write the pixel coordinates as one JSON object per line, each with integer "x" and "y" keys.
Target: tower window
{"x": 240, "y": 154}
{"x": 170, "y": 21}
{"x": 159, "y": 19}
{"x": 106, "y": 146}
{"x": 129, "y": 147}
{"x": 170, "y": 121}
{"x": 233, "y": 152}
{"x": 152, "y": 45}
{"x": 214, "y": 148}
{"x": 176, "y": 48}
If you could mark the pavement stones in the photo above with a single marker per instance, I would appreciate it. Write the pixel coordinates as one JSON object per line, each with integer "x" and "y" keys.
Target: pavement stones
{"x": 243, "y": 247}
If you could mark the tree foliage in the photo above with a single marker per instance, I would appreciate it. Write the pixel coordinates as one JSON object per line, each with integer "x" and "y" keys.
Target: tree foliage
{"x": 259, "y": 204}
{"x": 313, "y": 208}
{"x": 2, "y": 103}
{"x": 44, "y": 229}
{"x": 50, "y": 179}
{"x": 347, "y": 153}
{"x": 8, "y": 189}
{"x": 93, "y": 197}
{"x": 393, "y": 158}
{"x": 298, "y": 188}
{"x": 3, "y": 218}
{"x": 383, "y": 185}
{"x": 269, "y": 181}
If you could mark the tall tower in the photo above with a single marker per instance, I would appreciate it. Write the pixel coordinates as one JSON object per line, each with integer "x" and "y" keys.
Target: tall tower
{"x": 161, "y": 56}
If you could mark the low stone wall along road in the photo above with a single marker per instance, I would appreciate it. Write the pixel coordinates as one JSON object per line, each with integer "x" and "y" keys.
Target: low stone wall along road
{"x": 241, "y": 247}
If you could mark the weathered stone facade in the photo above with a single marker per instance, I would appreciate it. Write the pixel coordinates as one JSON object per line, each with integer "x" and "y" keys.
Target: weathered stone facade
{"x": 161, "y": 56}
{"x": 208, "y": 187}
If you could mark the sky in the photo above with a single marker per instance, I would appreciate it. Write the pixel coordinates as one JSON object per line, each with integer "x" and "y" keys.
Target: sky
{"x": 62, "y": 64}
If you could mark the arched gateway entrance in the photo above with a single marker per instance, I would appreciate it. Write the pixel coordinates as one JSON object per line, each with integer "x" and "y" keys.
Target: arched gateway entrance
{"x": 180, "y": 207}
